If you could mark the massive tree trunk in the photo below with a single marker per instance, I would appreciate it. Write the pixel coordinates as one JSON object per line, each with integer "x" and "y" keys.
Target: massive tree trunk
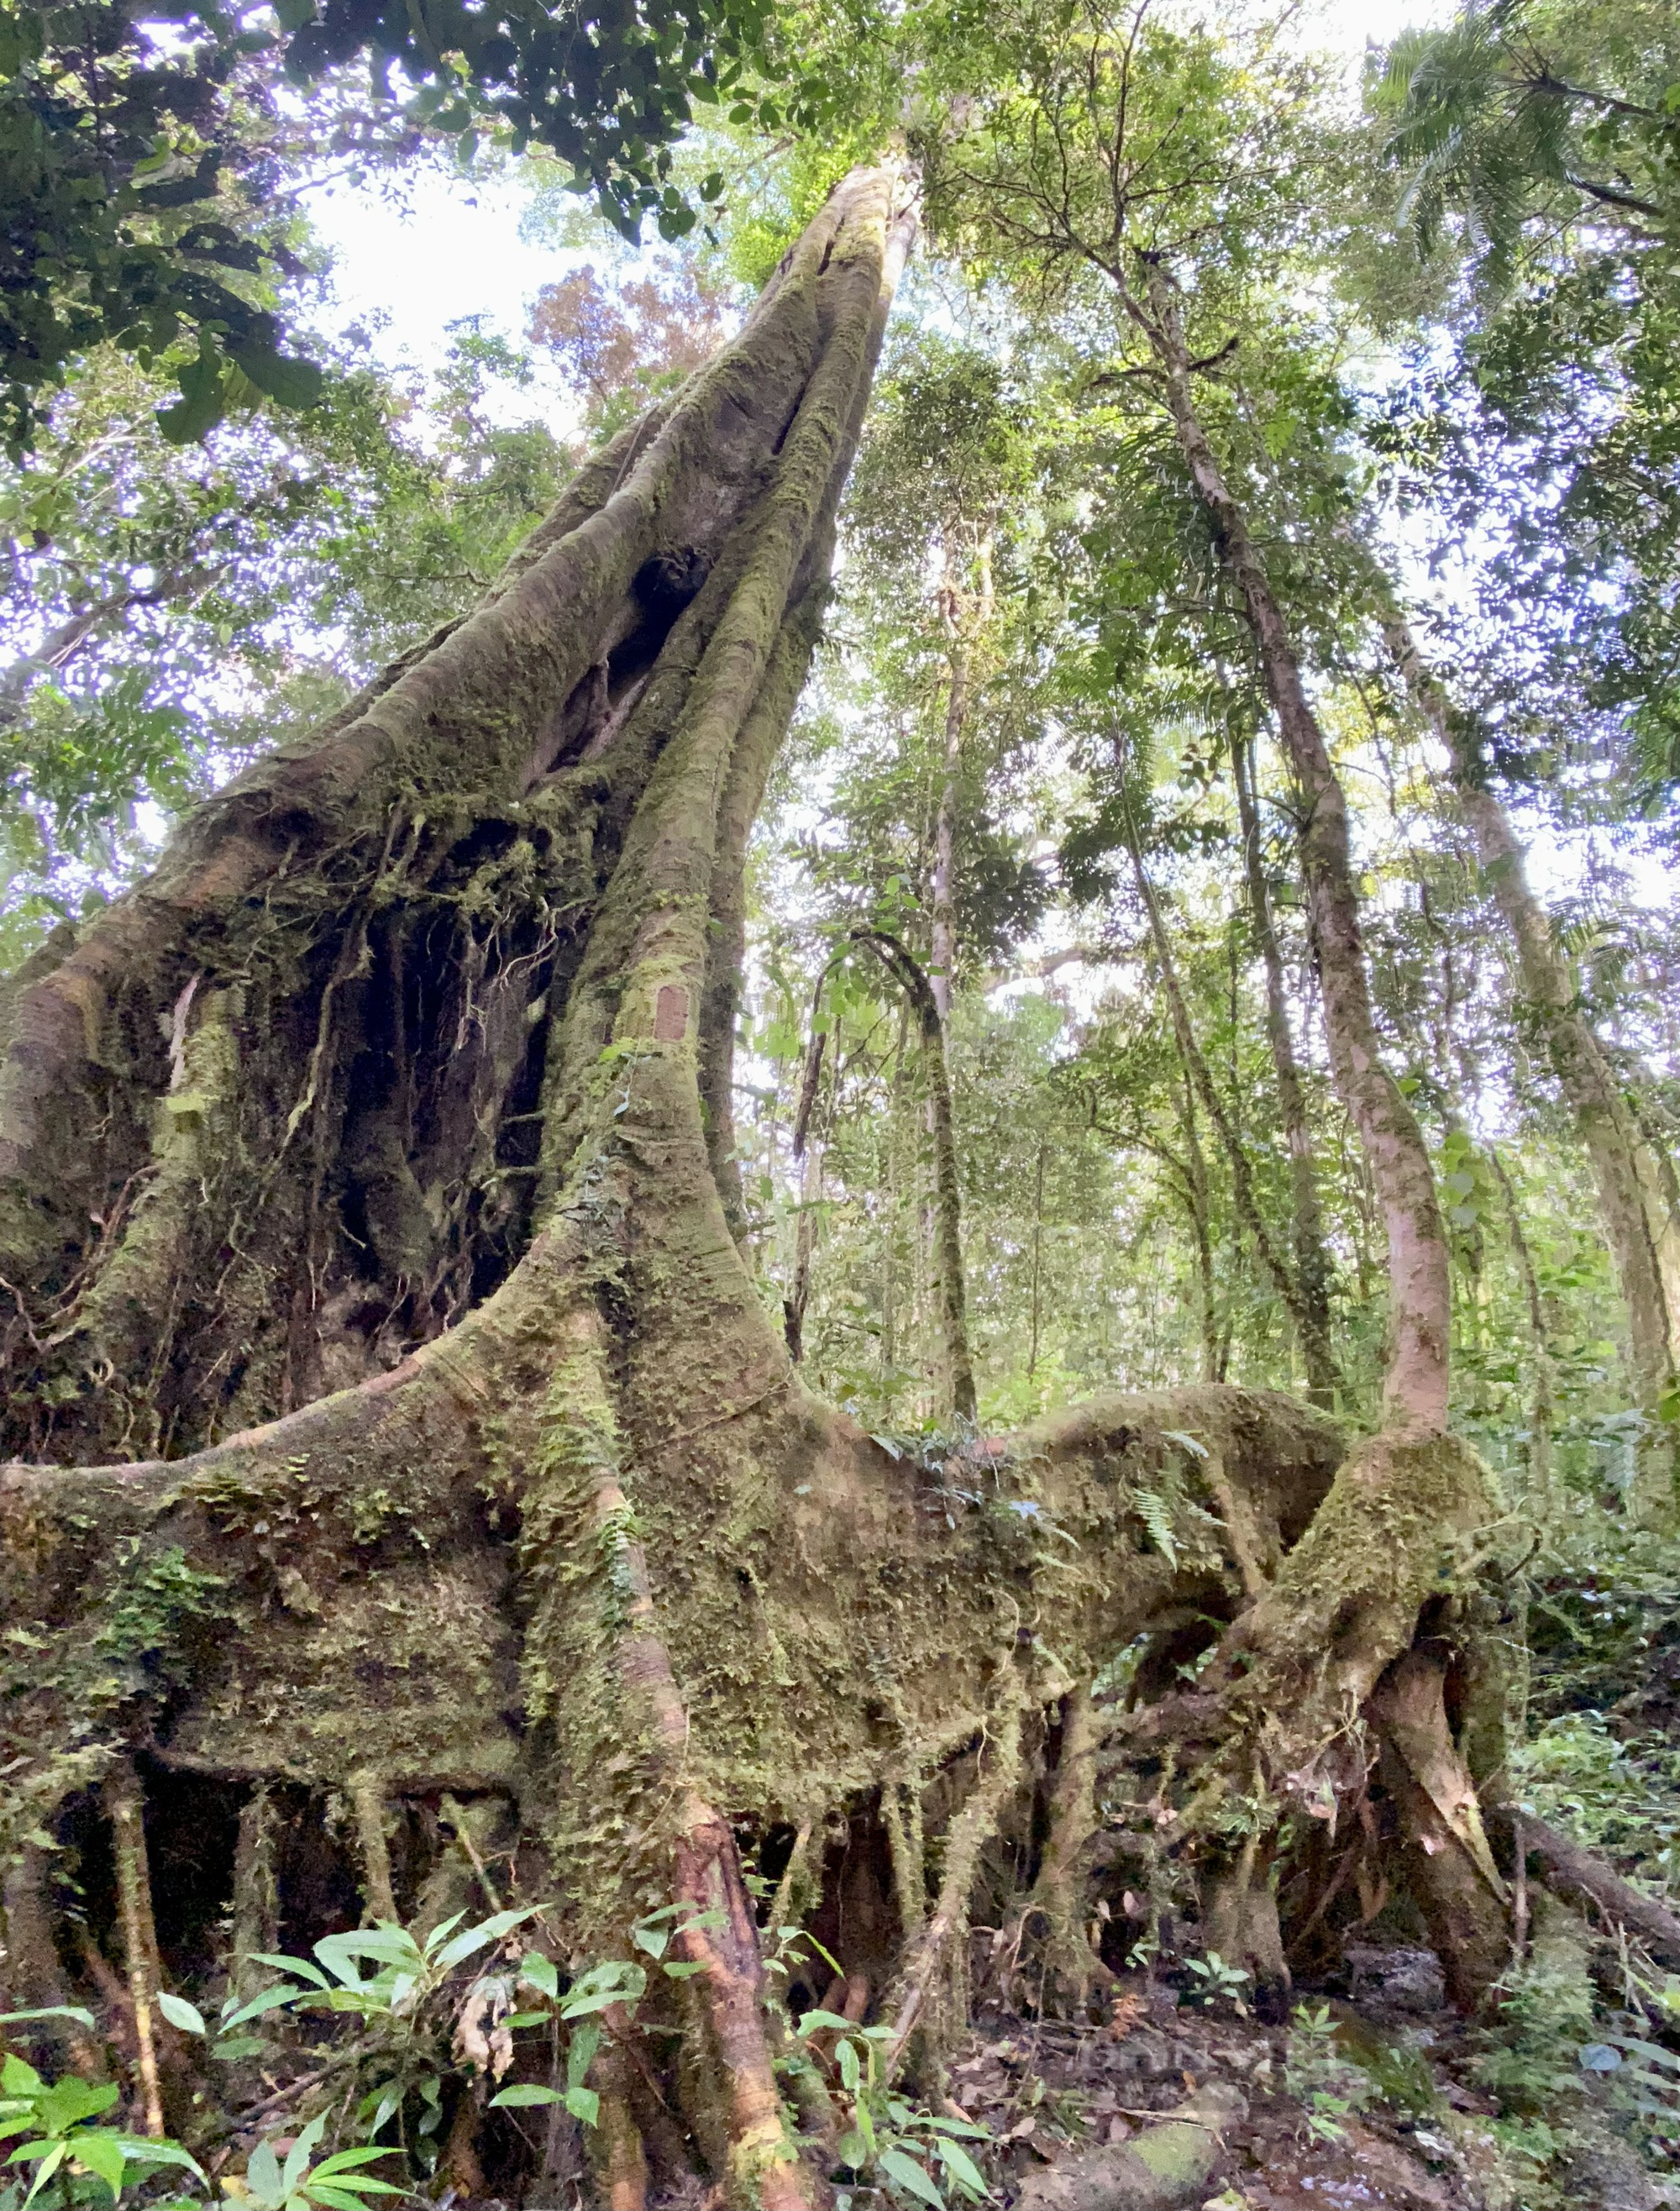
{"x": 1639, "y": 1220}
{"x": 403, "y": 1448}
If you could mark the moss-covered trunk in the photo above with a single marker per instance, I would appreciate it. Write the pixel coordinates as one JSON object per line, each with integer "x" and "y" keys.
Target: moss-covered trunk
{"x": 412, "y": 1506}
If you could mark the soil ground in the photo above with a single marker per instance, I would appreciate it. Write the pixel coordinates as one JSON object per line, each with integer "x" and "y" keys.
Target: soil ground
{"x": 1049, "y": 2088}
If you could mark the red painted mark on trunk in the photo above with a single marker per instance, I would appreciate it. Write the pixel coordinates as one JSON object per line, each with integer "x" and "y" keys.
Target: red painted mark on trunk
{"x": 671, "y": 1014}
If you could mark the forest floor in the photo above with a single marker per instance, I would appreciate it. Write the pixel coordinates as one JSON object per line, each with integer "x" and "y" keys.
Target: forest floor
{"x": 1372, "y": 2110}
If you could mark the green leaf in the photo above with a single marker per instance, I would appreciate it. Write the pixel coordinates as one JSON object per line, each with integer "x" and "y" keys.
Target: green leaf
{"x": 580, "y": 2054}
{"x": 289, "y": 381}
{"x": 523, "y": 2094}
{"x": 49, "y": 2165}
{"x": 297, "y": 2157}
{"x": 904, "y": 2172}
{"x": 300, "y": 1968}
{"x": 813, "y": 2022}
{"x": 343, "y": 2160}
{"x": 962, "y": 2167}
{"x": 101, "y": 2154}
{"x": 143, "y": 2149}
{"x": 271, "y": 2000}
{"x": 202, "y": 402}
{"x": 441, "y": 1933}
{"x": 475, "y": 1938}
{"x": 847, "y": 2055}
{"x": 346, "y": 2195}
{"x": 583, "y": 2104}
{"x": 48, "y": 2011}
{"x": 179, "y": 2013}
{"x": 541, "y": 1973}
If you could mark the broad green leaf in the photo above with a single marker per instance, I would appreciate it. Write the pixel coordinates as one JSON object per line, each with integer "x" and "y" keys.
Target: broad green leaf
{"x": 586, "y": 2040}
{"x": 961, "y": 2166}
{"x": 583, "y": 2104}
{"x": 297, "y": 2157}
{"x": 101, "y": 2154}
{"x": 287, "y": 380}
{"x": 203, "y": 400}
{"x": 50, "y": 2163}
{"x": 904, "y": 2172}
{"x": 540, "y": 1973}
{"x": 271, "y": 2000}
{"x": 524, "y": 2094}
{"x": 475, "y": 1938}
{"x": 143, "y": 2149}
{"x": 179, "y": 2013}
{"x": 299, "y": 1967}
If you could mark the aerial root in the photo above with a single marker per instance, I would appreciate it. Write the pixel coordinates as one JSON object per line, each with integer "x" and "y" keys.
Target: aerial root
{"x": 1450, "y": 1867}
{"x": 125, "y": 1807}
{"x": 366, "y": 1794}
{"x": 1070, "y": 1966}
{"x": 911, "y": 2004}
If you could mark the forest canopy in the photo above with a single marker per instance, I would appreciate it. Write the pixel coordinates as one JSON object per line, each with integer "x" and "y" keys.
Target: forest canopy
{"x": 840, "y": 1248}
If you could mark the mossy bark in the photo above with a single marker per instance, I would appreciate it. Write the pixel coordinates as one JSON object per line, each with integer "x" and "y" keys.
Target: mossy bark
{"x": 483, "y": 1500}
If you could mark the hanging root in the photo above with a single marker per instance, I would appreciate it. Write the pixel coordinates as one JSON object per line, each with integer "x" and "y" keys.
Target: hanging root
{"x": 366, "y": 1796}
{"x": 913, "y": 2004}
{"x": 125, "y": 1807}
{"x": 1055, "y": 1911}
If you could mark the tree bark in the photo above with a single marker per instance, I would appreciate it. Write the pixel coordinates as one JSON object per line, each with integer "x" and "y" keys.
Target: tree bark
{"x": 1420, "y": 1320}
{"x": 1313, "y": 1272}
{"x": 1307, "y": 1323}
{"x": 918, "y": 988}
{"x": 1640, "y": 1226}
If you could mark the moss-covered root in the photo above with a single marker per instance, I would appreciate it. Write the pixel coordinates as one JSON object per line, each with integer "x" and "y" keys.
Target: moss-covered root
{"x": 1346, "y": 1604}
{"x": 911, "y": 2005}
{"x": 1450, "y": 1867}
{"x": 1055, "y": 1909}
{"x": 1239, "y": 1914}
{"x": 126, "y": 1809}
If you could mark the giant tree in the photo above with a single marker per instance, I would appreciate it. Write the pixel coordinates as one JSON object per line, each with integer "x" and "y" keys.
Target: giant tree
{"x": 399, "y": 1426}
{"x": 1086, "y": 169}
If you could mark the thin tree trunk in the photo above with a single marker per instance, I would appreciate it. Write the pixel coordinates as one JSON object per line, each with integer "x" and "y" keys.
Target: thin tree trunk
{"x": 1313, "y": 1273}
{"x": 1315, "y": 1349}
{"x": 948, "y": 1194}
{"x": 1639, "y": 1224}
{"x": 1419, "y": 1317}
{"x": 959, "y": 614}
{"x": 1543, "y": 1401}
{"x": 1197, "y": 1205}
{"x": 1342, "y": 1616}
